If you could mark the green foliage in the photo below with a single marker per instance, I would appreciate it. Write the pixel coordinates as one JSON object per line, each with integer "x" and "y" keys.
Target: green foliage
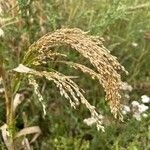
{"x": 125, "y": 29}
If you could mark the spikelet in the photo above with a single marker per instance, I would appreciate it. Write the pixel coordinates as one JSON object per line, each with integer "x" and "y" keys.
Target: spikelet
{"x": 33, "y": 82}
{"x": 107, "y": 65}
{"x": 67, "y": 87}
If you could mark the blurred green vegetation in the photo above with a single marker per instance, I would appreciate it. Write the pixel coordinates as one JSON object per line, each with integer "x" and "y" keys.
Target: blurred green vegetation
{"x": 125, "y": 27}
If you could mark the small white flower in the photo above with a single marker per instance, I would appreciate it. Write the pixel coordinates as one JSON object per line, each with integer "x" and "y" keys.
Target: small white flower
{"x": 2, "y": 90}
{"x": 124, "y": 112}
{"x": 145, "y": 115}
{"x": 126, "y": 109}
{"x": 137, "y": 116}
{"x": 126, "y": 87}
{"x": 145, "y": 99}
{"x": 141, "y": 31}
{"x": 89, "y": 121}
{"x": 135, "y": 103}
{"x": 127, "y": 96}
{"x": 1, "y": 32}
{"x": 135, "y": 44}
{"x": 143, "y": 108}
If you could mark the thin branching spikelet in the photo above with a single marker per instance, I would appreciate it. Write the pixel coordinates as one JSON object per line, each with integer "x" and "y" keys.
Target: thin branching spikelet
{"x": 33, "y": 82}
{"x": 107, "y": 65}
{"x": 67, "y": 87}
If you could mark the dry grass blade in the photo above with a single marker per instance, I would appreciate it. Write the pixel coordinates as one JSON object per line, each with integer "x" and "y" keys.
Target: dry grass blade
{"x": 26, "y": 144}
{"x": 7, "y": 140}
{"x": 18, "y": 99}
{"x": 107, "y": 65}
{"x": 30, "y": 130}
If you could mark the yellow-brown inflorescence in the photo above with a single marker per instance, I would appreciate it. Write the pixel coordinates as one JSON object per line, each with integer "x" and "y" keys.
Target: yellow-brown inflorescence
{"x": 108, "y": 68}
{"x": 67, "y": 87}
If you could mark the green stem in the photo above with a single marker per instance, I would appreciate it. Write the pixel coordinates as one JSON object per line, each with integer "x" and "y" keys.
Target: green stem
{"x": 8, "y": 96}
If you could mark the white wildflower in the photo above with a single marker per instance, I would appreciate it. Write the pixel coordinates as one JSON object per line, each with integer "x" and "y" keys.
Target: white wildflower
{"x": 1, "y": 90}
{"x": 127, "y": 96}
{"x": 137, "y": 116}
{"x": 135, "y": 103}
{"x": 89, "y": 121}
{"x": 126, "y": 109}
{"x": 134, "y": 44}
{"x": 124, "y": 112}
{"x": 141, "y": 30}
{"x": 138, "y": 110}
{"x": 143, "y": 108}
{"x": 145, "y": 115}
{"x": 126, "y": 87}
{"x": 1, "y": 32}
{"x": 145, "y": 99}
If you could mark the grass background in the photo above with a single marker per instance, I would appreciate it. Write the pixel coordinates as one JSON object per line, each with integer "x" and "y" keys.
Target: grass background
{"x": 125, "y": 27}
